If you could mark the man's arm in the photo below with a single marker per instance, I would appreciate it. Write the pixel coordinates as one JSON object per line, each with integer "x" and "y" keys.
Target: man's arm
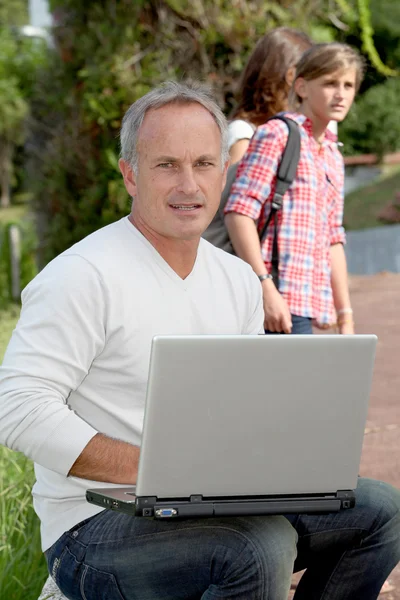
{"x": 107, "y": 459}
{"x": 60, "y": 332}
{"x": 340, "y": 289}
{"x": 244, "y": 236}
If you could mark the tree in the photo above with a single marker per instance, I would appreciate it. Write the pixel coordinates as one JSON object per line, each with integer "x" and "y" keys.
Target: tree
{"x": 13, "y": 110}
{"x": 14, "y": 12}
{"x": 373, "y": 126}
{"x": 110, "y": 53}
{"x": 20, "y": 59}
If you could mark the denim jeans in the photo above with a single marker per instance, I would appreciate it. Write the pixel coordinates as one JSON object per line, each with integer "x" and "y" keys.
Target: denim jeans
{"x": 348, "y": 554}
{"x": 300, "y": 325}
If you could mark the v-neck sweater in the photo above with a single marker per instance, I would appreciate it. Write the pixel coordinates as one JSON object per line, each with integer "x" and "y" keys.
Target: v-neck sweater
{"x": 78, "y": 360}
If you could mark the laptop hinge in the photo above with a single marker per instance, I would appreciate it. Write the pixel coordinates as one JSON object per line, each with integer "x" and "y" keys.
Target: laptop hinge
{"x": 145, "y": 501}
{"x": 196, "y": 498}
{"x": 347, "y": 498}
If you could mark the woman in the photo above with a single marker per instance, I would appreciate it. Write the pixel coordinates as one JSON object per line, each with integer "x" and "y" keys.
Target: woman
{"x": 265, "y": 84}
{"x": 313, "y": 284}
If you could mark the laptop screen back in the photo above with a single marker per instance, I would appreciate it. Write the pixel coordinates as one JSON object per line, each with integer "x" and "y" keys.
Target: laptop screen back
{"x": 254, "y": 415}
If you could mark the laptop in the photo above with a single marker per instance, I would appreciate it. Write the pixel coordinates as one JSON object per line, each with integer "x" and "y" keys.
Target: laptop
{"x": 250, "y": 425}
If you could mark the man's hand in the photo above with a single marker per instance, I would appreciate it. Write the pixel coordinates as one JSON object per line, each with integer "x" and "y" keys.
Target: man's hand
{"x": 277, "y": 314}
{"x": 107, "y": 459}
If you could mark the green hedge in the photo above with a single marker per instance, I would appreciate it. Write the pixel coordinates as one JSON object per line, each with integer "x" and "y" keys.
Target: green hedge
{"x": 108, "y": 55}
{"x": 373, "y": 125}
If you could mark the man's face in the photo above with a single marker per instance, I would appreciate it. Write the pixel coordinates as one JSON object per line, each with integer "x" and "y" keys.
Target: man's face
{"x": 178, "y": 186}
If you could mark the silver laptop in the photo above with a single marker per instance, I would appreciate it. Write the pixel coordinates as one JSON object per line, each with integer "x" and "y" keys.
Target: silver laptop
{"x": 250, "y": 425}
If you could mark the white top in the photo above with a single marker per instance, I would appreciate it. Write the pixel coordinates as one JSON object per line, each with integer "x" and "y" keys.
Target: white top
{"x": 78, "y": 360}
{"x": 243, "y": 130}
{"x": 239, "y": 130}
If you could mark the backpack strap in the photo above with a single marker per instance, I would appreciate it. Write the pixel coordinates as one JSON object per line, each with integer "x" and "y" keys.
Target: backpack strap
{"x": 284, "y": 178}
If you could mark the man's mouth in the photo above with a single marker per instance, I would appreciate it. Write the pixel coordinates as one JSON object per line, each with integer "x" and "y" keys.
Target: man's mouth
{"x": 185, "y": 206}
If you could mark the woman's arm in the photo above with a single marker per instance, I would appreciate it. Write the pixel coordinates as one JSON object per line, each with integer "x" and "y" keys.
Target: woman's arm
{"x": 339, "y": 278}
{"x": 244, "y": 236}
{"x": 249, "y": 196}
{"x": 237, "y": 150}
{"x": 340, "y": 289}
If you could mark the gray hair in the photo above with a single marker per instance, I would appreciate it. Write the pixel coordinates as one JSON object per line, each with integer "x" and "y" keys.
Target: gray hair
{"x": 170, "y": 92}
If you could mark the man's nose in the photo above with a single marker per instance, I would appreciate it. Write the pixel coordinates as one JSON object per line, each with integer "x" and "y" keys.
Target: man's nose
{"x": 187, "y": 183}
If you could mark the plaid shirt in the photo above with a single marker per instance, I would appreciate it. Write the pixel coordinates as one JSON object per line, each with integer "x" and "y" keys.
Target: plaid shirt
{"x": 311, "y": 217}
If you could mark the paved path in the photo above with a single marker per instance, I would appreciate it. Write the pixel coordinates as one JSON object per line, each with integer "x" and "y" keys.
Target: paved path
{"x": 376, "y": 302}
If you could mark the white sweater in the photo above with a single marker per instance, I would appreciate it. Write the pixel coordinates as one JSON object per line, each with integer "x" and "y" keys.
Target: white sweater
{"x": 78, "y": 360}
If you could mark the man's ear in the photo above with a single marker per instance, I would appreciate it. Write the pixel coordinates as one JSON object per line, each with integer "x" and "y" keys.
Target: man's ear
{"x": 129, "y": 177}
{"x": 224, "y": 172}
{"x": 300, "y": 87}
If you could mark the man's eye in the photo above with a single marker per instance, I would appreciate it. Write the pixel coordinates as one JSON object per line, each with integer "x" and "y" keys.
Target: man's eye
{"x": 204, "y": 163}
{"x": 167, "y": 165}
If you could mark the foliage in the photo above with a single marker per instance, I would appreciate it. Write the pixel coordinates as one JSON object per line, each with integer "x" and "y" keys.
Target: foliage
{"x": 367, "y": 40}
{"x": 385, "y": 16}
{"x": 13, "y": 109}
{"x": 22, "y": 566}
{"x": 14, "y": 12}
{"x": 8, "y": 320}
{"x": 20, "y": 57}
{"x": 27, "y": 265}
{"x": 110, "y": 53}
{"x": 373, "y": 125}
{"x": 373, "y": 27}
{"x": 363, "y": 207}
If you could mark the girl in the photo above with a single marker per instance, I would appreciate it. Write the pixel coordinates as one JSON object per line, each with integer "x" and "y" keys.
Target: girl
{"x": 312, "y": 267}
{"x": 265, "y": 84}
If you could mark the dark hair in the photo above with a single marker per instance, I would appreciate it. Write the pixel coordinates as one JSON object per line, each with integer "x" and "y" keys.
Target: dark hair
{"x": 263, "y": 89}
{"x": 324, "y": 59}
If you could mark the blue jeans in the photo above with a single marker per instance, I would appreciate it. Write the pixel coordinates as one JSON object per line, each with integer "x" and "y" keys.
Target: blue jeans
{"x": 348, "y": 555}
{"x": 300, "y": 325}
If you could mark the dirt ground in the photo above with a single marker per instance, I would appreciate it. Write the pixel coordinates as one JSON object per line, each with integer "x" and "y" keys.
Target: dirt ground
{"x": 376, "y": 304}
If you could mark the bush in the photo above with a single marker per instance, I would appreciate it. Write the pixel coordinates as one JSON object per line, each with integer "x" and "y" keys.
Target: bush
{"x": 108, "y": 55}
{"x": 28, "y": 266}
{"x": 373, "y": 125}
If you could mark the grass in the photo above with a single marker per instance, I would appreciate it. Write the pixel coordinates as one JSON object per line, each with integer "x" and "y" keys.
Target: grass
{"x": 363, "y": 205}
{"x": 14, "y": 213}
{"x": 8, "y": 320}
{"x": 22, "y": 566}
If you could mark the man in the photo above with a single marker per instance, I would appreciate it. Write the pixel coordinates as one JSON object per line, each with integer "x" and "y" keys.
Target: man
{"x": 73, "y": 385}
